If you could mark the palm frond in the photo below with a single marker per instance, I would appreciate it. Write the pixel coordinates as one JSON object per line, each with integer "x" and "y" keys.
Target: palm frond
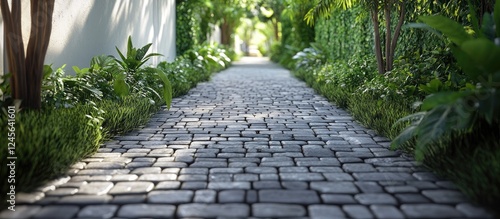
{"x": 324, "y": 7}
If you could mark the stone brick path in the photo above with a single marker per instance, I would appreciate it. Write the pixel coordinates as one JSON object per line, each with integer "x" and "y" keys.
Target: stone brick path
{"x": 253, "y": 142}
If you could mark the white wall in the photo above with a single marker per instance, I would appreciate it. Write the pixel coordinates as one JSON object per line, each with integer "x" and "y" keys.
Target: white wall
{"x": 82, "y": 29}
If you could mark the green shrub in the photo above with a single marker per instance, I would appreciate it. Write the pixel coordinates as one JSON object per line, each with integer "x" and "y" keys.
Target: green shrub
{"x": 48, "y": 142}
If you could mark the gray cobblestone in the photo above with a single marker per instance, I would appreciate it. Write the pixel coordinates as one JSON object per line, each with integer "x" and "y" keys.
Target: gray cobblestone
{"x": 53, "y": 211}
{"x": 289, "y": 196}
{"x": 325, "y": 212}
{"x": 430, "y": 211}
{"x": 170, "y": 197}
{"x": 146, "y": 211}
{"x": 213, "y": 210}
{"x": 98, "y": 211}
{"x": 278, "y": 210}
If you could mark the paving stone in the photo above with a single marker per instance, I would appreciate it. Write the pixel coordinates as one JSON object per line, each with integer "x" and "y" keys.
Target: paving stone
{"x": 25, "y": 198}
{"x": 98, "y": 211}
{"x": 85, "y": 199}
{"x": 369, "y": 187}
{"x": 278, "y": 210}
{"x": 412, "y": 198}
{"x": 266, "y": 185}
{"x": 127, "y": 188}
{"x": 146, "y": 170}
{"x": 168, "y": 185}
{"x": 445, "y": 196}
{"x": 338, "y": 177}
{"x": 62, "y": 192}
{"x": 231, "y": 196}
{"x": 213, "y": 210}
{"x": 205, "y": 196}
{"x": 474, "y": 211}
{"x": 22, "y": 212}
{"x": 386, "y": 211}
{"x": 146, "y": 211}
{"x": 430, "y": 211}
{"x": 301, "y": 177}
{"x": 338, "y": 199}
{"x": 194, "y": 185}
{"x": 170, "y": 197}
{"x": 357, "y": 211}
{"x": 54, "y": 211}
{"x": 401, "y": 189}
{"x": 383, "y": 176}
{"x": 318, "y": 152}
{"x": 375, "y": 198}
{"x": 358, "y": 167}
{"x": 95, "y": 188}
{"x": 228, "y": 185}
{"x": 325, "y": 211}
{"x": 158, "y": 177}
{"x": 335, "y": 187}
{"x": 289, "y": 196}
{"x": 295, "y": 185}
{"x": 128, "y": 199}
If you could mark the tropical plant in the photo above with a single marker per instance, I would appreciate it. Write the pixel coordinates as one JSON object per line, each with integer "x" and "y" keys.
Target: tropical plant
{"x": 385, "y": 60}
{"x": 449, "y": 112}
{"x": 27, "y": 67}
{"x": 135, "y": 57}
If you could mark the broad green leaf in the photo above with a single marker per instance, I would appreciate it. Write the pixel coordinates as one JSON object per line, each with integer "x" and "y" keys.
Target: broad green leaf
{"x": 120, "y": 86}
{"x": 425, "y": 27}
{"x": 466, "y": 63}
{"x": 403, "y": 137}
{"x": 440, "y": 98}
{"x": 489, "y": 105}
{"x": 451, "y": 29}
{"x": 484, "y": 53}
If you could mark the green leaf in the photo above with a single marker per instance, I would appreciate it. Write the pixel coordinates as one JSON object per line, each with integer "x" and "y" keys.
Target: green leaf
{"x": 466, "y": 63}
{"x": 440, "y": 98}
{"x": 489, "y": 105}
{"x": 120, "y": 86}
{"x": 408, "y": 133}
{"x": 484, "y": 53}
{"x": 451, "y": 29}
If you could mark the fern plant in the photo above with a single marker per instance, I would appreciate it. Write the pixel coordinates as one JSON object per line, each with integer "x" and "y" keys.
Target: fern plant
{"x": 445, "y": 113}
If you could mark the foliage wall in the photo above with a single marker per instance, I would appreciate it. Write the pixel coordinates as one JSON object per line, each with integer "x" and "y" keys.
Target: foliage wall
{"x": 350, "y": 32}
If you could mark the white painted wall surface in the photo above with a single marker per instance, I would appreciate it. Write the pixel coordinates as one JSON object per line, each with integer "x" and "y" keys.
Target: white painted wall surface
{"x": 86, "y": 28}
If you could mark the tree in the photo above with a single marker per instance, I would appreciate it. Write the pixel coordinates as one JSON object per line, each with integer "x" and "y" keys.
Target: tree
{"x": 27, "y": 67}
{"x": 385, "y": 60}
{"x": 271, "y": 12}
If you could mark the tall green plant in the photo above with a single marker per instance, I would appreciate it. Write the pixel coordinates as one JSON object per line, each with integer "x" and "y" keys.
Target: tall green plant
{"x": 135, "y": 57}
{"x": 445, "y": 113}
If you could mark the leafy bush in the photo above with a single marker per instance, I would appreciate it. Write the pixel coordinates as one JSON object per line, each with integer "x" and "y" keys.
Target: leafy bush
{"x": 459, "y": 111}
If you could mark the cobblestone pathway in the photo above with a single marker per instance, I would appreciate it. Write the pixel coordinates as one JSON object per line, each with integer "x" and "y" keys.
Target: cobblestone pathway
{"x": 253, "y": 142}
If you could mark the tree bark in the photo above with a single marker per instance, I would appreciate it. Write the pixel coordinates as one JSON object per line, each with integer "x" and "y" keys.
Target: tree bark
{"x": 378, "y": 48}
{"x": 225, "y": 33}
{"x": 27, "y": 68}
{"x": 387, "y": 44}
{"x": 397, "y": 32}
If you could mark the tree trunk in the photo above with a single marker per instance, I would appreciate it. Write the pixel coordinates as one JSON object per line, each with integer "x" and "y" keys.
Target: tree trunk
{"x": 225, "y": 33}
{"x": 397, "y": 32}
{"x": 387, "y": 14}
{"x": 276, "y": 30}
{"x": 378, "y": 48}
{"x": 27, "y": 69}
